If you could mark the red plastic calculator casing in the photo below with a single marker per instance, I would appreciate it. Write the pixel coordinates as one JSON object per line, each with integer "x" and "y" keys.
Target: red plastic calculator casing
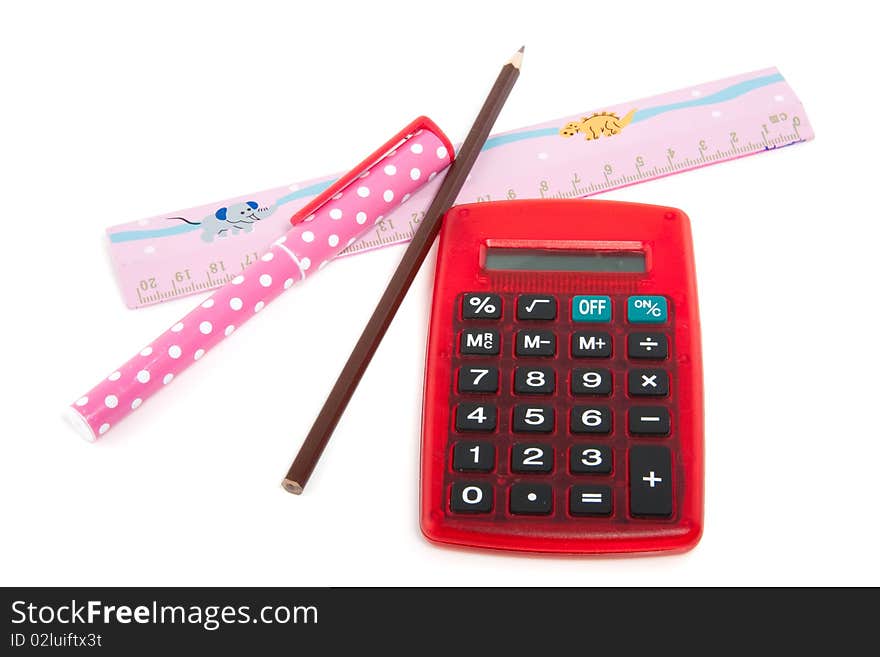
{"x": 663, "y": 234}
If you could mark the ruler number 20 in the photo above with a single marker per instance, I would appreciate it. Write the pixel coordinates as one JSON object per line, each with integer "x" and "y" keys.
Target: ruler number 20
{"x": 147, "y": 284}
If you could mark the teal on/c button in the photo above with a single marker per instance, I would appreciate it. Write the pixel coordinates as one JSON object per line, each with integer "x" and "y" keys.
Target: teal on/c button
{"x": 646, "y": 309}
{"x": 591, "y": 308}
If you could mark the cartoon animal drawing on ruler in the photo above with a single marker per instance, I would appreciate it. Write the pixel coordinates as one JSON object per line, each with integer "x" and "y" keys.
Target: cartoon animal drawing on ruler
{"x": 238, "y": 218}
{"x": 596, "y": 125}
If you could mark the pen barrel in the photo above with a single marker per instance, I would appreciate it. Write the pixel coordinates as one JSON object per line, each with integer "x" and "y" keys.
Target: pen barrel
{"x": 305, "y": 249}
{"x": 371, "y": 197}
{"x": 161, "y": 361}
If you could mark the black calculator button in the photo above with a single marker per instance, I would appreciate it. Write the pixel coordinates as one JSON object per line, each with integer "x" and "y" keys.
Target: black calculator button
{"x": 591, "y": 419}
{"x": 473, "y": 456}
{"x": 531, "y": 499}
{"x": 538, "y": 419}
{"x": 650, "y": 481}
{"x": 648, "y": 346}
{"x": 591, "y": 381}
{"x": 590, "y": 501}
{"x": 531, "y": 457}
{"x": 648, "y": 421}
{"x": 481, "y": 306}
{"x": 534, "y": 380}
{"x": 590, "y": 459}
{"x": 475, "y": 417}
{"x": 590, "y": 344}
{"x": 478, "y": 379}
{"x": 535, "y": 343}
{"x": 483, "y": 342}
{"x": 534, "y": 306}
{"x": 648, "y": 383}
{"x": 471, "y": 497}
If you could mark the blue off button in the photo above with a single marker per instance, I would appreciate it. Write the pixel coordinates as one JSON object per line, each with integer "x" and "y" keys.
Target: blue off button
{"x": 646, "y": 310}
{"x": 587, "y": 308}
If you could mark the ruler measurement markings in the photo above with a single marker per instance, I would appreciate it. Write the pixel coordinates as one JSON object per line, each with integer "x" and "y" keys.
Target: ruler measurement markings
{"x": 740, "y": 143}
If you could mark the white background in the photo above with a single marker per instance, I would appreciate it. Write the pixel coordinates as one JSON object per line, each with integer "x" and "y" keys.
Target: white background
{"x": 111, "y": 113}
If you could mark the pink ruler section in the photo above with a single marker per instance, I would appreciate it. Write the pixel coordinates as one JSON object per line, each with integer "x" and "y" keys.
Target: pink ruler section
{"x": 184, "y": 252}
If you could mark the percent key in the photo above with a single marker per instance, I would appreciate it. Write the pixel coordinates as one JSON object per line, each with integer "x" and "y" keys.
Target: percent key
{"x": 481, "y": 306}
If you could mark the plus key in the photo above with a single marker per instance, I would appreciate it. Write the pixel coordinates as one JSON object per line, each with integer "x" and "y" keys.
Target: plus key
{"x": 650, "y": 481}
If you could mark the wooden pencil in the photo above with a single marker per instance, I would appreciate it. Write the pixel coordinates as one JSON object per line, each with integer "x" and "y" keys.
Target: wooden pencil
{"x": 317, "y": 438}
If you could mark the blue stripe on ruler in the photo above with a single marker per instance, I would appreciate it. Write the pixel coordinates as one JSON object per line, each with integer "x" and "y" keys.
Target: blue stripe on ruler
{"x": 718, "y": 97}
{"x": 725, "y": 94}
{"x": 721, "y": 96}
{"x": 311, "y": 190}
{"x": 135, "y": 235}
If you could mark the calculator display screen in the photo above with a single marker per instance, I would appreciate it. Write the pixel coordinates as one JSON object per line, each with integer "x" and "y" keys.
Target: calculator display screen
{"x": 562, "y": 260}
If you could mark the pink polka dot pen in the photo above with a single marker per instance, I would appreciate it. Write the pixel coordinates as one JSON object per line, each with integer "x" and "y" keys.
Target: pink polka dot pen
{"x": 321, "y": 230}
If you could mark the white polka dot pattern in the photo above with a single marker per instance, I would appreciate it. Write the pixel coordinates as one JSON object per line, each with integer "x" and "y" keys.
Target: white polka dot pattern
{"x": 331, "y": 228}
{"x": 368, "y": 197}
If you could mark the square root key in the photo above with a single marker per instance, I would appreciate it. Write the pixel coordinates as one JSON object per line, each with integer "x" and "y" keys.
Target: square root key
{"x": 535, "y": 306}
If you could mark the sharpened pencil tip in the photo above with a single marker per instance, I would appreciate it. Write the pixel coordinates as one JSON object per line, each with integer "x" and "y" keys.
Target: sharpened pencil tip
{"x": 517, "y": 58}
{"x": 522, "y": 49}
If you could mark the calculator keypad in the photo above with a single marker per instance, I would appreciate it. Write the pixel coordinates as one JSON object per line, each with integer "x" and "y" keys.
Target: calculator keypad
{"x": 563, "y": 406}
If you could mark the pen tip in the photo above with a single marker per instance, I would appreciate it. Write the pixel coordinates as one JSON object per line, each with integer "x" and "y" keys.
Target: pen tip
{"x": 522, "y": 49}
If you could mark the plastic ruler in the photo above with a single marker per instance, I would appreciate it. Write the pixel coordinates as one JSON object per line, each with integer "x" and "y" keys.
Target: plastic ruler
{"x": 178, "y": 253}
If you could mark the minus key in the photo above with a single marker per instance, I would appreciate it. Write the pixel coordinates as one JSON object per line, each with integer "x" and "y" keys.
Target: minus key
{"x": 648, "y": 421}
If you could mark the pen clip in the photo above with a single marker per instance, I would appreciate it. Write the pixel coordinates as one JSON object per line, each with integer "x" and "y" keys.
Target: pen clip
{"x": 420, "y": 123}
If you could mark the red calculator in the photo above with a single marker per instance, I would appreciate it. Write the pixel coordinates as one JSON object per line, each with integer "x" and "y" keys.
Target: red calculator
{"x": 563, "y": 407}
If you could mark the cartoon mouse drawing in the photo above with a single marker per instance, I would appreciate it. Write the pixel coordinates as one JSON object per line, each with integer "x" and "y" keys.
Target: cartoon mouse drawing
{"x": 238, "y": 218}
